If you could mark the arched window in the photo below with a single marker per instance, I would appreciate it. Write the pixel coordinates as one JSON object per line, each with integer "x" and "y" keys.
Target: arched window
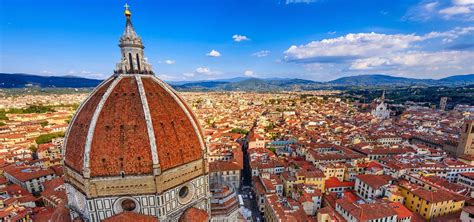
{"x": 138, "y": 62}
{"x": 131, "y": 61}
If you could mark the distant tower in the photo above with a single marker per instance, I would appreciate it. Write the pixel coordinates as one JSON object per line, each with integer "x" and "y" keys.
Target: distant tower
{"x": 380, "y": 109}
{"x": 442, "y": 103}
{"x": 466, "y": 140}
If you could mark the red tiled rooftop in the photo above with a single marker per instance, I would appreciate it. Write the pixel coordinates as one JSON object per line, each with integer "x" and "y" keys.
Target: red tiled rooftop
{"x": 193, "y": 214}
{"x": 375, "y": 181}
{"x": 334, "y": 182}
{"x": 128, "y": 216}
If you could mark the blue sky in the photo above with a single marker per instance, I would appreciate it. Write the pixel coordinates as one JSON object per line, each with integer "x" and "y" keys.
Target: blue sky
{"x": 193, "y": 40}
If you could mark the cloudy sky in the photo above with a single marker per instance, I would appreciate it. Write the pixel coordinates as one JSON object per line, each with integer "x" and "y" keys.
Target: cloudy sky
{"x": 194, "y": 40}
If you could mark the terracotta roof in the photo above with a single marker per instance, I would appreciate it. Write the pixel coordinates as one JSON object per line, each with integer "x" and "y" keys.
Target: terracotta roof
{"x": 128, "y": 216}
{"x": 469, "y": 209}
{"x": 401, "y": 210}
{"x": 121, "y": 118}
{"x": 469, "y": 175}
{"x": 375, "y": 181}
{"x": 28, "y": 173}
{"x": 193, "y": 214}
{"x": 366, "y": 211}
{"x": 61, "y": 214}
{"x": 334, "y": 182}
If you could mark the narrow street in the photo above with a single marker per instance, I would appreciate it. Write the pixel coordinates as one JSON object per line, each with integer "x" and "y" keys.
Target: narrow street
{"x": 247, "y": 182}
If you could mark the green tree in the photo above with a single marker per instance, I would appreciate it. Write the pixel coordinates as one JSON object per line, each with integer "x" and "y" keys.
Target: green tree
{"x": 33, "y": 148}
{"x": 44, "y": 123}
{"x": 273, "y": 149}
{"x": 240, "y": 131}
{"x": 47, "y": 138}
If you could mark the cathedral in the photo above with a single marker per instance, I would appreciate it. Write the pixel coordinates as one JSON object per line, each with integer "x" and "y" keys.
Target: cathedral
{"x": 380, "y": 109}
{"x": 134, "y": 149}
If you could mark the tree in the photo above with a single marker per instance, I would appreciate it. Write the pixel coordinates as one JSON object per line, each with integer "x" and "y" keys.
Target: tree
{"x": 3, "y": 115}
{"x": 273, "y": 149}
{"x": 33, "y": 148}
{"x": 240, "y": 131}
{"x": 44, "y": 123}
{"x": 47, "y": 138}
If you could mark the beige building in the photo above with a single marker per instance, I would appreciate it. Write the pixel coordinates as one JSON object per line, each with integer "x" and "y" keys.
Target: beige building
{"x": 466, "y": 142}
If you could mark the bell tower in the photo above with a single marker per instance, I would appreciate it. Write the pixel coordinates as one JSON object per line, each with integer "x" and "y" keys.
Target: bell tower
{"x": 466, "y": 139}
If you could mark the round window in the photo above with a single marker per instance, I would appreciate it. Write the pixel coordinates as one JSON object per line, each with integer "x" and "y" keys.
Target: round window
{"x": 128, "y": 205}
{"x": 183, "y": 192}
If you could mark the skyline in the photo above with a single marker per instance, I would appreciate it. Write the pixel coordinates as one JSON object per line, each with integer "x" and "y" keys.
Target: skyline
{"x": 266, "y": 39}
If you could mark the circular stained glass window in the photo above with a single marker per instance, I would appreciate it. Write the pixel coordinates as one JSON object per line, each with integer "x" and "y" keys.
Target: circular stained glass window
{"x": 128, "y": 205}
{"x": 183, "y": 192}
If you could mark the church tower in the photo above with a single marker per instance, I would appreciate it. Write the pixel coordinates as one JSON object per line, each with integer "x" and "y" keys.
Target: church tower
{"x": 134, "y": 148}
{"x": 466, "y": 139}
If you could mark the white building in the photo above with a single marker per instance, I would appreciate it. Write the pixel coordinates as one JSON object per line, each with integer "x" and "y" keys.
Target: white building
{"x": 381, "y": 110}
{"x": 369, "y": 186}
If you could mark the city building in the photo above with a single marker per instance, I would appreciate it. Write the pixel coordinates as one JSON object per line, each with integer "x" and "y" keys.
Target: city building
{"x": 380, "y": 109}
{"x": 442, "y": 103}
{"x": 430, "y": 203}
{"x": 370, "y": 186}
{"x": 378, "y": 211}
{"x": 466, "y": 140}
{"x": 30, "y": 178}
{"x": 224, "y": 203}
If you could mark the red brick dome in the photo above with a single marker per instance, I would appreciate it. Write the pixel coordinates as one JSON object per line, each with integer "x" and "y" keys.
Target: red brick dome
{"x": 128, "y": 125}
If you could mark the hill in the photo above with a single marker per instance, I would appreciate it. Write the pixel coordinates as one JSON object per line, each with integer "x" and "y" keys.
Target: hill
{"x": 379, "y": 79}
{"x": 243, "y": 83}
{"x": 27, "y": 80}
{"x": 459, "y": 79}
{"x": 249, "y": 84}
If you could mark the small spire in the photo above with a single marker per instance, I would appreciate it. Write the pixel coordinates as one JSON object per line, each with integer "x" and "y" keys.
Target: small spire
{"x": 127, "y": 12}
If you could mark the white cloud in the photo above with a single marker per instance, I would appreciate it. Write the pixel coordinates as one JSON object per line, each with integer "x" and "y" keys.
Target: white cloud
{"x": 239, "y": 38}
{"x": 168, "y": 77}
{"x": 463, "y": 2}
{"x": 47, "y": 72}
{"x": 262, "y": 53}
{"x": 188, "y": 74}
{"x": 249, "y": 73}
{"x": 350, "y": 46}
{"x": 213, "y": 53}
{"x": 400, "y": 53}
{"x": 169, "y": 62}
{"x": 86, "y": 72}
{"x": 455, "y": 10}
{"x": 415, "y": 59}
{"x": 203, "y": 70}
{"x": 435, "y": 9}
{"x": 452, "y": 34}
{"x": 206, "y": 71}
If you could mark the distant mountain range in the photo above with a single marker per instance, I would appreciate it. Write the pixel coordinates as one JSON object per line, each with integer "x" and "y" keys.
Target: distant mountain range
{"x": 28, "y": 80}
{"x": 241, "y": 83}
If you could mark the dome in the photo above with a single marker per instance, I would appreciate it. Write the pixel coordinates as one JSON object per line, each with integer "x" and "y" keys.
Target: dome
{"x": 128, "y": 125}
{"x": 134, "y": 146}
